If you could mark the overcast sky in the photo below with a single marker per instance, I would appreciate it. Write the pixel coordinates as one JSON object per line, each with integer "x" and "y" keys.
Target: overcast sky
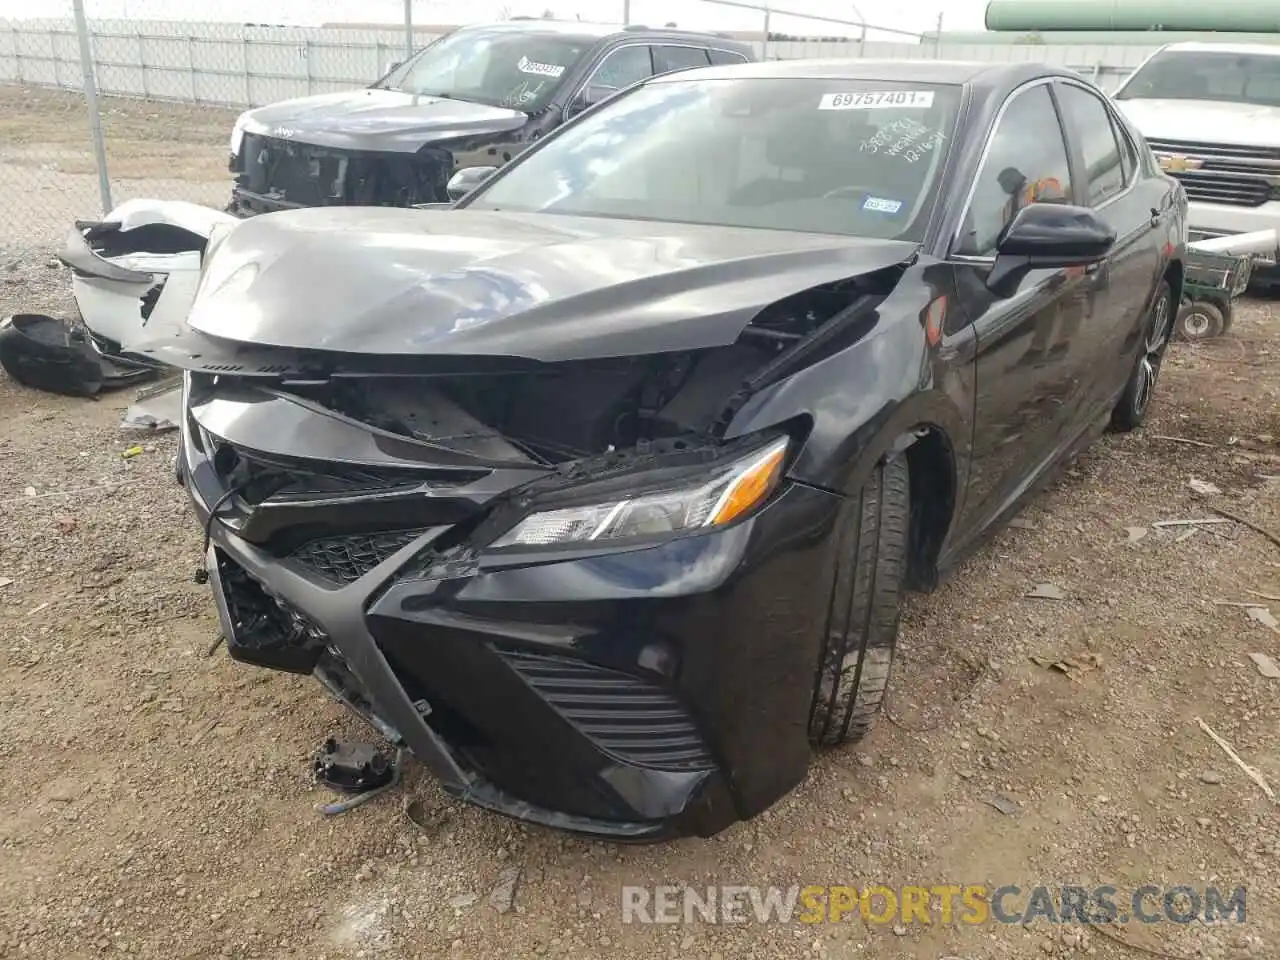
{"x": 913, "y": 15}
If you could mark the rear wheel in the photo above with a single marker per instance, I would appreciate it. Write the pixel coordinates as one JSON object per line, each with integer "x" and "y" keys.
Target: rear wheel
{"x": 1132, "y": 408}
{"x": 862, "y": 621}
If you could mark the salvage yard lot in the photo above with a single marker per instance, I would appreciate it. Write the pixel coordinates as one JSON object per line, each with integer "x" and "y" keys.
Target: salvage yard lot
{"x": 158, "y": 801}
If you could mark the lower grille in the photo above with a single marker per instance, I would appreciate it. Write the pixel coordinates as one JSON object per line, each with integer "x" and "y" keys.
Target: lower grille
{"x": 347, "y": 558}
{"x": 263, "y": 621}
{"x": 629, "y": 718}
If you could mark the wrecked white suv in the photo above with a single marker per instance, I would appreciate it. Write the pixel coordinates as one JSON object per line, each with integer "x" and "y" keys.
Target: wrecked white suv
{"x": 1211, "y": 114}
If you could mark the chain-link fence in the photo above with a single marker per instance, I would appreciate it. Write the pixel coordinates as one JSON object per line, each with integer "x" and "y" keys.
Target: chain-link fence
{"x": 169, "y": 86}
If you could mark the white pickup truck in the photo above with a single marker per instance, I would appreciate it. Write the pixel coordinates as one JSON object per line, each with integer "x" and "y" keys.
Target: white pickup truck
{"x": 1211, "y": 114}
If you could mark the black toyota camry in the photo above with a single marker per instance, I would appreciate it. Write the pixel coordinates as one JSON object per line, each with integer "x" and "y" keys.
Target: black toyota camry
{"x": 599, "y": 490}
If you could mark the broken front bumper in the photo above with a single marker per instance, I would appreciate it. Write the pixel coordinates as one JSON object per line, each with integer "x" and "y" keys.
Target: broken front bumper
{"x": 634, "y": 695}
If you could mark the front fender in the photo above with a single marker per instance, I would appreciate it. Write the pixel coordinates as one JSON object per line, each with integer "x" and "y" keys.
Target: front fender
{"x": 862, "y": 399}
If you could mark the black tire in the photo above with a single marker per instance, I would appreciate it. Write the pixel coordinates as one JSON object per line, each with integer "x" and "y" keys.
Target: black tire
{"x": 1200, "y": 320}
{"x": 1228, "y": 315}
{"x": 862, "y": 620}
{"x": 1132, "y": 408}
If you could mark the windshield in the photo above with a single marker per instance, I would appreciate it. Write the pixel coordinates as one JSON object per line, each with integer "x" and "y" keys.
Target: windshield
{"x": 860, "y": 158}
{"x": 498, "y": 67}
{"x": 1207, "y": 75}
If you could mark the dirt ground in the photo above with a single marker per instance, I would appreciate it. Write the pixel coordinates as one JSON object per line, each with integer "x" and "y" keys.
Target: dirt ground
{"x": 158, "y": 799}
{"x": 48, "y": 176}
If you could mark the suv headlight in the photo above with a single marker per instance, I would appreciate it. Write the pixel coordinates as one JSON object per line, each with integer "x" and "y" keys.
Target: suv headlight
{"x": 237, "y": 133}
{"x": 732, "y": 489}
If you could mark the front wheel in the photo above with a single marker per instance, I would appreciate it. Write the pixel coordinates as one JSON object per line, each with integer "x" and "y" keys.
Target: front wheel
{"x": 862, "y": 620}
{"x": 1132, "y": 408}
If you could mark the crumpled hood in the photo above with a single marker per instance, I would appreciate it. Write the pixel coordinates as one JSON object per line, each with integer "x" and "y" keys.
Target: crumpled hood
{"x": 397, "y": 282}
{"x": 387, "y": 120}
{"x": 1204, "y": 121}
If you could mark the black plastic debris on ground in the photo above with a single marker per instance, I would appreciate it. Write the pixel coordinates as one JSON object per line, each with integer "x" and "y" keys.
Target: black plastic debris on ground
{"x": 55, "y": 355}
{"x": 352, "y": 767}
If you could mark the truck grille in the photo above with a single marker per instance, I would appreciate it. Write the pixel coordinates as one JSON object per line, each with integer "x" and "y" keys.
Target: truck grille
{"x": 301, "y": 174}
{"x": 632, "y": 719}
{"x": 1240, "y": 176}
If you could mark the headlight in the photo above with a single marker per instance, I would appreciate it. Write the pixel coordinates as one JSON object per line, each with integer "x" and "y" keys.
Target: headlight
{"x": 733, "y": 489}
{"x": 237, "y": 133}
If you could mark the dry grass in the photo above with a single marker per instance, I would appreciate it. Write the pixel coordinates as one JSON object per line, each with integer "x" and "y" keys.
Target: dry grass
{"x": 49, "y": 129}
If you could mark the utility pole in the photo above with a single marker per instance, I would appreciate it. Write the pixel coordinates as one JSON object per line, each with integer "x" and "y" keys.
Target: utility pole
{"x": 408, "y": 29}
{"x": 91, "y": 101}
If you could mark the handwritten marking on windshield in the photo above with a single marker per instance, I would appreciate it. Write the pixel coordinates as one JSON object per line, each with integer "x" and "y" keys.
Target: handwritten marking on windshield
{"x": 907, "y": 138}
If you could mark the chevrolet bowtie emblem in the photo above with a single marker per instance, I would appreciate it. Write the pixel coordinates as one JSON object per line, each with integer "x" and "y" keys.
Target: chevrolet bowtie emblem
{"x": 1177, "y": 163}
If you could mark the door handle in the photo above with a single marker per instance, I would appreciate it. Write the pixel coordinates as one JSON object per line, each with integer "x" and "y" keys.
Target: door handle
{"x": 1156, "y": 217}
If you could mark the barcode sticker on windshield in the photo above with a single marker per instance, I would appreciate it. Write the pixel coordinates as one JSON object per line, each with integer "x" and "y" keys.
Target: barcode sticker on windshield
{"x": 526, "y": 65}
{"x": 876, "y": 100}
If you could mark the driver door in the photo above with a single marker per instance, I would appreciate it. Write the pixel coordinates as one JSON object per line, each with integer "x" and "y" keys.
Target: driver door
{"x": 1029, "y": 365}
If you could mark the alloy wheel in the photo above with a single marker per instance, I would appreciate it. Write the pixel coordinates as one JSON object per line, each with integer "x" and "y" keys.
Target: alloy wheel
{"x": 1153, "y": 353}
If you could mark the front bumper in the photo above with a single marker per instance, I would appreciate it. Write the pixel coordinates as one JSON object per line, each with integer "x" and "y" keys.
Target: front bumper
{"x": 1207, "y": 220}
{"x": 632, "y": 695}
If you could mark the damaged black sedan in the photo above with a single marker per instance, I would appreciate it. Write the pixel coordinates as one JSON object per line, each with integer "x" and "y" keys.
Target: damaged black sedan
{"x": 599, "y": 491}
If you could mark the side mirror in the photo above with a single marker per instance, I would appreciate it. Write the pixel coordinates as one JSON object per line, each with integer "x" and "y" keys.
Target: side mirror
{"x": 466, "y": 180}
{"x": 1049, "y": 235}
{"x": 588, "y": 98}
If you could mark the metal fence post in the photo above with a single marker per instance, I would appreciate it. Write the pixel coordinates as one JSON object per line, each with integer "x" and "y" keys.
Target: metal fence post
{"x": 17, "y": 54}
{"x": 91, "y": 99}
{"x": 764, "y": 53}
{"x": 53, "y": 56}
{"x": 142, "y": 64}
{"x": 408, "y": 29}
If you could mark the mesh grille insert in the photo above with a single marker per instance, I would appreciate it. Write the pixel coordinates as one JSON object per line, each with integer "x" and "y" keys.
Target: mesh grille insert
{"x": 345, "y": 559}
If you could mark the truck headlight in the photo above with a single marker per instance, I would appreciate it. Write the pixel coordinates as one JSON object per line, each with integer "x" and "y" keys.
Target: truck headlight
{"x": 732, "y": 490}
{"x": 237, "y": 133}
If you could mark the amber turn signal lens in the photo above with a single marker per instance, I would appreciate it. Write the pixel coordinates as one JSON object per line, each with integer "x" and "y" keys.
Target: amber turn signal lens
{"x": 751, "y": 486}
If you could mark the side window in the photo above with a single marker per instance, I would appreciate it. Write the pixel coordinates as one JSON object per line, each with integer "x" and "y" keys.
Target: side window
{"x": 1090, "y": 124}
{"x": 721, "y": 57}
{"x": 623, "y": 67}
{"x": 667, "y": 59}
{"x": 1128, "y": 153}
{"x": 1026, "y": 163}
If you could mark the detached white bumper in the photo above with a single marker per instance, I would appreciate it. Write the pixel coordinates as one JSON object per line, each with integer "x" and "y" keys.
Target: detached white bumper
{"x": 135, "y": 271}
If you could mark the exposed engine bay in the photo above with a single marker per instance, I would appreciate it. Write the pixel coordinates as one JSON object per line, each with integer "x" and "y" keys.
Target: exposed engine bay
{"x": 555, "y": 413}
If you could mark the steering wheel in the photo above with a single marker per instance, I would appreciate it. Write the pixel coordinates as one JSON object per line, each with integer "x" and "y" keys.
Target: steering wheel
{"x": 840, "y": 191}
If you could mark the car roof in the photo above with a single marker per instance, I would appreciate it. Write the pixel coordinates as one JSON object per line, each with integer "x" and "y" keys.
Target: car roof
{"x": 577, "y": 30}
{"x": 983, "y": 73}
{"x": 1196, "y": 46}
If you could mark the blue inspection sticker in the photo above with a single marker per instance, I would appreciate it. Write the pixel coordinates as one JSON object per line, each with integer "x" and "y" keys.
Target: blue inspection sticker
{"x": 882, "y": 205}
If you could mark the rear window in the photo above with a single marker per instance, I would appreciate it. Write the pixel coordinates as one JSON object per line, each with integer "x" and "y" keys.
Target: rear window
{"x": 1206, "y": 75}
{"x": 861, "y": 157}
{"x": 722, "y": 57}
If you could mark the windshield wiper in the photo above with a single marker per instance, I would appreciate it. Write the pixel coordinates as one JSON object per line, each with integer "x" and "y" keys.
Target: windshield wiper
{"x": 444, "y": 95}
